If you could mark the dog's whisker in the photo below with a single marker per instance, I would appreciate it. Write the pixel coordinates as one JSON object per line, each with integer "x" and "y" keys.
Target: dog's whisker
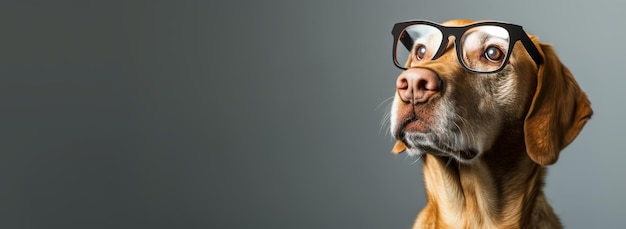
{"x": 383, "y": 102}
{"x": 459, "y": 141}
{"x": 471, "y": 137}
{"x": 416, "y": 160}
{"x": 384, "y": 122}
{"x": 449, "y": 160}
{"x": 461, "y": 135}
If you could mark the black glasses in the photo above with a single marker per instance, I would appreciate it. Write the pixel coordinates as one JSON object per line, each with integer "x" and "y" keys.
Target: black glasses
{"x": 483, "y": 47}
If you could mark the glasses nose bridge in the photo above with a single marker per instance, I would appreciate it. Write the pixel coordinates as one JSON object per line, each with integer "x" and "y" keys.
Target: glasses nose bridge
{"x": 449, "y": 39}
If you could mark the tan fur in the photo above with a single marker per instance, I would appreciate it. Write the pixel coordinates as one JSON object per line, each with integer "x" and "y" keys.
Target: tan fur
{"x": 528, "y": 117}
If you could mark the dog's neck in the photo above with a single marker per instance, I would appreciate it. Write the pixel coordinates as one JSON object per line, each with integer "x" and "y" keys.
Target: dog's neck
{"x": 494, "y": 191}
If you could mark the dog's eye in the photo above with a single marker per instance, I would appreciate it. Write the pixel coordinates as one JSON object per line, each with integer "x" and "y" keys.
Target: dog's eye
{"x": 494, "y": 54}
{"x": 420, "y": 51}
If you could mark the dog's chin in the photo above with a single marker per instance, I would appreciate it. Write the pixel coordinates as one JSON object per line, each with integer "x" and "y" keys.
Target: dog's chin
{"x": 418, "y": 144}
{"x": 462, "y": 156}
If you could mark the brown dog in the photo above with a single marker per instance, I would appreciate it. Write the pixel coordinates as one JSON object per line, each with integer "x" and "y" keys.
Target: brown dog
{"x": 485, "y": 134}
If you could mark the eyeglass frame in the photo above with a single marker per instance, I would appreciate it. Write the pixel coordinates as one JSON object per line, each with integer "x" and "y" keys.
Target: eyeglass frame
{"x": 516, "y": 33}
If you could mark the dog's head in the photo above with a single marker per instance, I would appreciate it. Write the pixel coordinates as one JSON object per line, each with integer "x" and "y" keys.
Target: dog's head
{"x": 459, "y": 103}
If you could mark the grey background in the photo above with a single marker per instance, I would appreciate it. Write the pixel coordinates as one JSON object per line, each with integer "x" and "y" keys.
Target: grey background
{"x": 258, "y": 114}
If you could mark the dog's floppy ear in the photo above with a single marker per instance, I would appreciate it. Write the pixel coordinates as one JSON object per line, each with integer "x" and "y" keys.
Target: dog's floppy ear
{"x": 558, "y": 112}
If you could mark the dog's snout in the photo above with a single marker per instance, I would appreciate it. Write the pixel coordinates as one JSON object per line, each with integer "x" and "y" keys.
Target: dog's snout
{"x": 417, "y": 85}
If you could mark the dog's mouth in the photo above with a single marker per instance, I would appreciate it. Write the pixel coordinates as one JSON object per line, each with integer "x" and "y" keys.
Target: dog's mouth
{"x": 411, "y": 124}
{"x": 418, "y": 139}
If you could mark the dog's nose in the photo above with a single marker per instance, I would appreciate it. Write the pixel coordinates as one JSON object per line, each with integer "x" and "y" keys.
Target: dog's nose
{"x": 417, "y": 85}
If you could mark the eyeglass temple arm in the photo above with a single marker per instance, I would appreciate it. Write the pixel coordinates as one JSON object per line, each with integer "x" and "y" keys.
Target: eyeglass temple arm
{"x": 532, "y": 49}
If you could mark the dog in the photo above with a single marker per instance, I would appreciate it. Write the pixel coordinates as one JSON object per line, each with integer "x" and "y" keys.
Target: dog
{"x": 484, "y": 130}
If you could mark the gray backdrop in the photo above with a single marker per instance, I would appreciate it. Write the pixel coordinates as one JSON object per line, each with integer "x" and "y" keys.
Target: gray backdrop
{"x": 258, "y": 114}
